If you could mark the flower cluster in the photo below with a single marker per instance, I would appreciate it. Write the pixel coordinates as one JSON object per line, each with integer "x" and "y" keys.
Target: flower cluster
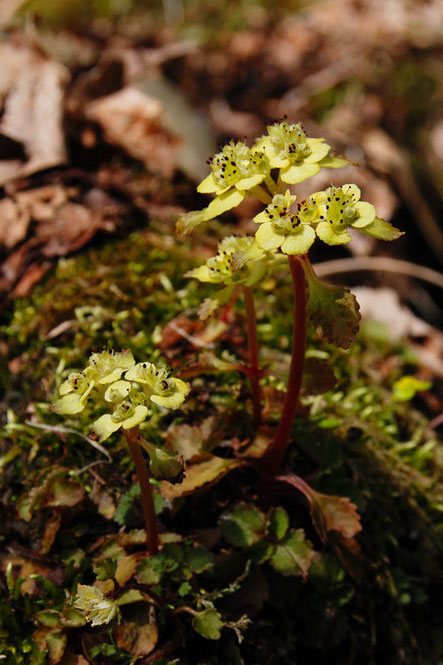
{"x": 327, "y": 214}
{"x": 97, "y": 608}
{"x": 115, "y": 380}
{"x": 284, "y": 156}
{"x": 221, "y": 269}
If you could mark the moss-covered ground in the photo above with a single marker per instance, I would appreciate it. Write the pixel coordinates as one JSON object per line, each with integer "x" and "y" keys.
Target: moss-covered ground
{"x": 68, "y": 512}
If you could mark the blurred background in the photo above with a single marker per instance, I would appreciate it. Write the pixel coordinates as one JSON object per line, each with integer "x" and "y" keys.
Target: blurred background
{"x": 109, "y": 110}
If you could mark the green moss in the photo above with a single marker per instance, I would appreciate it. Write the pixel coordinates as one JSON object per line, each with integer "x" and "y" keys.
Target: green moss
{"x": 354, "y": 441}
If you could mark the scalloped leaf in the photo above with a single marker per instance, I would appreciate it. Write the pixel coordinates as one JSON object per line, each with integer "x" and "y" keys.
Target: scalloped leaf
{"x": 333, "y": 310}
{"x": 328, "y": 512}
{"x": 278, "y": 523}
{"x": 208, "y": 623}
{"x": 293, "y": 555}
{"x": 244, "y": 525}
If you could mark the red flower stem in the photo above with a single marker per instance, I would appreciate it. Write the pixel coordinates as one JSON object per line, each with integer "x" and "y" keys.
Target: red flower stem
{"x": 135, "y": 450}
{"x": 254, "y": 371}
{"x": 292, "y": 398}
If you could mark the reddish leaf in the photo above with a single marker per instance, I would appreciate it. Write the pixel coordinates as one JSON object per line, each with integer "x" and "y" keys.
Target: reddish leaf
{"x": 329, "y": 513}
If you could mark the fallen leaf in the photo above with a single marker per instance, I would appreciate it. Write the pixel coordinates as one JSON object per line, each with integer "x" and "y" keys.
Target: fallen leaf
{"x": 134, "y": 121}
{"x": 32, "y": 91}
{"x": 194, "y": 441}
{"x": 51, "y": 529}
{"x": 200, "y": 475}
{"x": 14, "y": 223}
{"x": 138, "y": 634}
{"x": 52, "y": 640}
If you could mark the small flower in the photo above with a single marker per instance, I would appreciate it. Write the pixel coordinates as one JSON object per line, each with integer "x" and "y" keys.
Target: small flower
{"x": 108, "y": 366}
{"x": 235, "y": 170}
{"x": 281, "y": 228}
{"x": 158, "y": 386}
{"x": 125, "y": 415}
{"x": 290, "y": 150}
{"x": 97, "y": 608}
{"x": 340, "y": 208}
{"x": 222, "y": 269}
{"x": 75, "y": 392}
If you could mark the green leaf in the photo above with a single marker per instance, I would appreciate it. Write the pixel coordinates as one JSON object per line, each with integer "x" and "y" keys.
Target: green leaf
{"x": 293, "y": 555}
{"x": 244, "y": 525}
{"x": 165, "y": 465}
{"x": 332, "y": 310}
{"x": 125, "y": 505}
{"x": 49, "y": 618}
{"x": 151, "y": 570}
{"x": 105, "y": 569}
{"x": 278, "y": 523}
{"x": 334, "y": 162}
{"x": 382, "y": 230}
{"x": 198, "y": 559}
{"x": 208, "y": 623}
{"x": 406, "y": 388}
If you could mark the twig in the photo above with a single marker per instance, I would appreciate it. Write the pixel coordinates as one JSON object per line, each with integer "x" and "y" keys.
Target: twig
{"x": 379, "y": 263}
{"x": 69, "y": 430}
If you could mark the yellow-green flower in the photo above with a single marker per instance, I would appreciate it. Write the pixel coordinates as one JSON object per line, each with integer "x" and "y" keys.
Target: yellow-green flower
{"x": 125, "y": 415}
{"x": 340, "y": 208}
{"x": 158, "y": 386}
{"x": 297, "y": 156}
{"x": 234, "y": 171}
{"x": 221, "y": 269}
{"x": 75, "y": 392}
{"x": 108, "y": 366}
{"x": 280, "y": 228}
{"x": 97, "y": 608}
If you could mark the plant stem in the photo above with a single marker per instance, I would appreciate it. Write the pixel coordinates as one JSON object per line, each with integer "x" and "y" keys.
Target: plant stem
{"x": 254, "y": 371}
{"x": 290, "y": 405}
{"x": 135, "y": 450}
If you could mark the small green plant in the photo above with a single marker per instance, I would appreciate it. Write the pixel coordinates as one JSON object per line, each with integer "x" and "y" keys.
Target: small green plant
{"x": 120, "y": 395}
{"x": 113, "y": 380}
{"x": 284, "y": 156}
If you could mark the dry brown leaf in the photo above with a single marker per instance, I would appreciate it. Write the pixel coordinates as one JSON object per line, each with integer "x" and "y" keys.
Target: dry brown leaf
{"x": 200, "y": 475}
{"x": 51, "y": 529}
{"x": 32, "y": 90}
{"x": 193, "y": 441}
{"x": 133, "y": 121}
{"x": 14, "y": 223}
{"x": 139, "y": 634}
